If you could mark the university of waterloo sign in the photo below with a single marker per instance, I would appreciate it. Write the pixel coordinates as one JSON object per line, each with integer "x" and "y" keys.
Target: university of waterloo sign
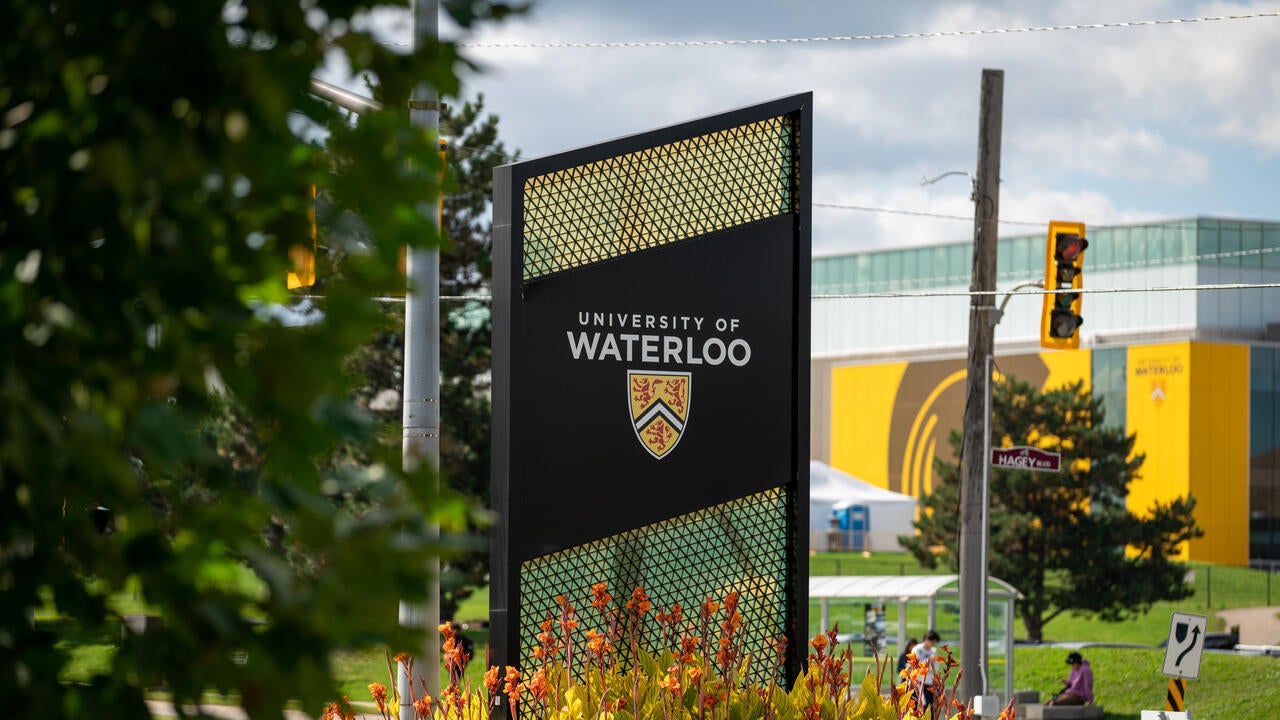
{"x": 651, "y": 336}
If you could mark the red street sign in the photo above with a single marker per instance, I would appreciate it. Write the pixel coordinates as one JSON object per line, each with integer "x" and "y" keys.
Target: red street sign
{"x": 1026, "y": 458}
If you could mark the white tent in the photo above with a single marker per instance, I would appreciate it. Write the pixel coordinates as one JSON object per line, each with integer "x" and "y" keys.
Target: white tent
{"x": 882, "y": 514}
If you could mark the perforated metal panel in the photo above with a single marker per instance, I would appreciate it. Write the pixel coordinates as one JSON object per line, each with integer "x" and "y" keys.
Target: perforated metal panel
{"x": 659, "y": 195}
{"x": 737, "y": 546}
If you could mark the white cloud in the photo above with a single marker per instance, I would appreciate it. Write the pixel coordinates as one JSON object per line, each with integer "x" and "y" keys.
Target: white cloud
{"x": 1104, "y": 125}
{"x": 1117, "y": 152}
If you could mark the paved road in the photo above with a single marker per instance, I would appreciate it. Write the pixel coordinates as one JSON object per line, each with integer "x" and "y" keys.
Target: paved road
{"x": 1258, "y": 625}
{"x": 162, "y": 709}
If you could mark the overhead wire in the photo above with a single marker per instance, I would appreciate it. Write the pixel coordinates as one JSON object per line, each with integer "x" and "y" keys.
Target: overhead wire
{"x": 878, "y": 36}
{"x": 917, "y": 213}
{"x": 1061, "y": 291}
{"x": 914, "y": 213}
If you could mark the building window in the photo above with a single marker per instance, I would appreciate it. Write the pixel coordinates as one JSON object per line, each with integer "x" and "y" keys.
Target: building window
{"x": 1264, "y": 453}
{"x": 1109, "y": 384}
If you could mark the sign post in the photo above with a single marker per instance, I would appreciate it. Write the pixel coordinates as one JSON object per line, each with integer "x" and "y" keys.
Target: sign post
{"x": 1182, "y": 654}
{"x": 1185, "y": 646}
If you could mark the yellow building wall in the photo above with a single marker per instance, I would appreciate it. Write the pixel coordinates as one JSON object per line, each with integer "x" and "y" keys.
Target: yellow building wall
{"x": 1067, "y": 366}
{"x": 1158, "y": 410}
{"x": 890, "y": 422}
{"x": 1219, "y": 473}
{"x": 862, "y": 398}
{"x": 1188, "y": 405}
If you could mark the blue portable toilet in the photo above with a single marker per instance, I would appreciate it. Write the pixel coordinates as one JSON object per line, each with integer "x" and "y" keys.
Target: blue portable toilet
{"x": 855, "y": 521}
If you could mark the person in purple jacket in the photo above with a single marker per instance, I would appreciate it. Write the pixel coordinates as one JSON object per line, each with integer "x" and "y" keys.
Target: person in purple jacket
{"x": 1078, "y": 686}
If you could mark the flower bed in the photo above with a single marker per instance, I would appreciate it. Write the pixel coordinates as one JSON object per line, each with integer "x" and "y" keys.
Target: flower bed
{"x": 591, "y": 666}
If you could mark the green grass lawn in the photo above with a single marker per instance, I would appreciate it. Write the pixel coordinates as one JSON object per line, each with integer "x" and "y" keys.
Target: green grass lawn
{"x": 1128, "y": 681}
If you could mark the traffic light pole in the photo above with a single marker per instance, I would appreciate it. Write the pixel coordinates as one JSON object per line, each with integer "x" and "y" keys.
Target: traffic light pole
{"x": 982, "y": 312}
{"x": 421, "y": 417}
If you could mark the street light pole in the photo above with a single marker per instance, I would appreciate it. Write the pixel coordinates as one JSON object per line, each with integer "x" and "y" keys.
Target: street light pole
{"x": 973, "y": 491}
{"x": 421, "y": 417}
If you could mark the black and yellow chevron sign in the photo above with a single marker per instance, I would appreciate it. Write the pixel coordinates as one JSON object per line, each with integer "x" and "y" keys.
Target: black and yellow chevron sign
{"x": 1176, "y": 698}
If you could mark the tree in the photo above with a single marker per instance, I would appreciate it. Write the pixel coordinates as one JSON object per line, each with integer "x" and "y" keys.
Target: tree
{"x": 154, "y": 182}
{"x": 1066, "y": 540}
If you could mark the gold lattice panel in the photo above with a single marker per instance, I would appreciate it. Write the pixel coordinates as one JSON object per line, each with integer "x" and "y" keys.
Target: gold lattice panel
{"x": 741, "y": 545}
{"x": 659, "y": 195}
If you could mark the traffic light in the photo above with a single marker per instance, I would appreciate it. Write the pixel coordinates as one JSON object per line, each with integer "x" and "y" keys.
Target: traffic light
{"x": 1063, "y": 268}
{"x": 303, "y": 255}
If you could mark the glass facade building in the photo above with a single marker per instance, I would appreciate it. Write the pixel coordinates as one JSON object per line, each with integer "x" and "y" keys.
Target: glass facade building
{"x": 1195, "y": 373}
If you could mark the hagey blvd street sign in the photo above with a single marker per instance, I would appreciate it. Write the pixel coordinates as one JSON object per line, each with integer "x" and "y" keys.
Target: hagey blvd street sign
{"x": 1026, "y": 458}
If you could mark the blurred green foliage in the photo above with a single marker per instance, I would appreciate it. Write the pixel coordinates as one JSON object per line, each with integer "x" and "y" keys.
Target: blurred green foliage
{"x": 157, "y": 160}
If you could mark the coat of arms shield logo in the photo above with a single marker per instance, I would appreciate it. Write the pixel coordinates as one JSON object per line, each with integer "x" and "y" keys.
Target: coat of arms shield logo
{"x": 659, "y": 404}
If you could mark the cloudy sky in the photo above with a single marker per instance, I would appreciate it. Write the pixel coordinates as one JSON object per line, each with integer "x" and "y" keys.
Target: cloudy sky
{"x": 1106, "y": 126}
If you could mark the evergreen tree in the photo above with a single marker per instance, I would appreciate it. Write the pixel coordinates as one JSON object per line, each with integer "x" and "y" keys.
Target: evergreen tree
{"x": 1066, "y": 540}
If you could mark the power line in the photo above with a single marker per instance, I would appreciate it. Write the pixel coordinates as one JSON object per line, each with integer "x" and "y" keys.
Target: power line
{"x": 1033, "y": 272}
{"x": 922, "y": 293}
{"x": 883, "y": 36}
{"x": 918, "y": 213}
{"x": 970, "y": 293}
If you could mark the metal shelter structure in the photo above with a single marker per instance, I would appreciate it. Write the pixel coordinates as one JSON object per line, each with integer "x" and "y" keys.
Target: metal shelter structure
{"x": 906, "y": 588}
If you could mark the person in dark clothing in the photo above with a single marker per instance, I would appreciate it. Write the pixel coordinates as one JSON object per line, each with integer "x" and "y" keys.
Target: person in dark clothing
{"x": 902, "y": 659}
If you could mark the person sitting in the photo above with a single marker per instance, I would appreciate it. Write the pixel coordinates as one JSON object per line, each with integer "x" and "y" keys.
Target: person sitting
{"x": 1078, "y": 686}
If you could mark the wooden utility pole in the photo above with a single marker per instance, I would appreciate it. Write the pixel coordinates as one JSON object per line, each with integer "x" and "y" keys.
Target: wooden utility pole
{"x": 973, "y": 493}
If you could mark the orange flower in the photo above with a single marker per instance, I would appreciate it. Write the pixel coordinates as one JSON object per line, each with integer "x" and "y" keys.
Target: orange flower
{"x": 453, "y": 697}
{"x": 379, "y": 693}
{"x": 598, "y": 644}
{"x": 512, "y": 685}
{"x": 538, "y": 686}
{"x": 512, "y": 680}
{"x": 688, "y": 646}
{"x": 819, "y": 642}
{"x": 402, "y": 657}
{"x": 600, "y": 596}
{"x": 339, "y": 711}
{"x": 639, "y": 601}
{"x": 422, "y": 706}
{"x": 446, "y": 629}
{"x": 671, "y": 683}
{"x": 709, "y": 607}
{"x": 491, "y": 680}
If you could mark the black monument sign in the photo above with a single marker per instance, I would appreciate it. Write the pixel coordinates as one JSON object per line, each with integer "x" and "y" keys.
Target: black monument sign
{"x": 650, "y": 389}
